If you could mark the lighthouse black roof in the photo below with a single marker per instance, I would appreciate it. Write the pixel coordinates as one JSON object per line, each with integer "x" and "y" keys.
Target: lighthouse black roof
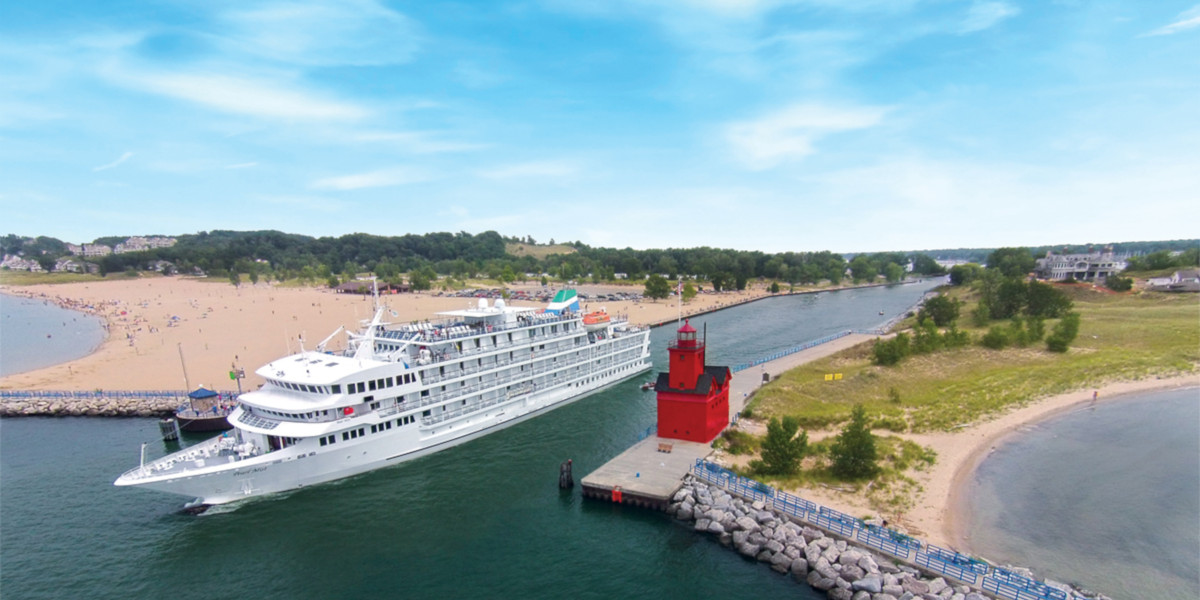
{"x": 704, "y": 383}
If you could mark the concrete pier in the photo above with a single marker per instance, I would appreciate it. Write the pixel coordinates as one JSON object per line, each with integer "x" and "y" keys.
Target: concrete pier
{"x": 647, "y": 474}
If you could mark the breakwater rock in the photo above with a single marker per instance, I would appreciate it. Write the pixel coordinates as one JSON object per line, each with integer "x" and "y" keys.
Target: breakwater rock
{"x": 97, "y": 404}
{"x": 841, "y": 569}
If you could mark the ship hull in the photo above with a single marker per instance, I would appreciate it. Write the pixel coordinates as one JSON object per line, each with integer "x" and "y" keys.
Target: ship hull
{"x": 290, "y": 469}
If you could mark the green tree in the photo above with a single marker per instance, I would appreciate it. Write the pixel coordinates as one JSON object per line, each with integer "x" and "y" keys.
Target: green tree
{"x": 507, "y": 275}
{"x": 774, "y": 287}
{"x": 1011, "y": 262}
{"x": 689, "y": 291}
{"x": 1064, "y": 333}
{"x": 893, "y": 272}
{"x": 657, "y": 288}
{"x": 862, "y": 269}
{"x": 853, "y": 451}
{"x": 942, "y": 309}
{"x": 1044, "y": 300}
{"x": 782, "y": 449}
{"x": 964, "y": 274}
{"x": 234, "y": 278}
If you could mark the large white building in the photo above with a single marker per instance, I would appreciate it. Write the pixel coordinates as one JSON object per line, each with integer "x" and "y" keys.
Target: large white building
{"x": 1093, "y": 266}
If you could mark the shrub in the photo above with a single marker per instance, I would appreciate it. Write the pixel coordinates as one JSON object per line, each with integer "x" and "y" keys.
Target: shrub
{"x": 890, "y": 352}
{"x": 997, "y": 338}
{"x": 1119, "y": 284}
{"x": 1064, "y": 333}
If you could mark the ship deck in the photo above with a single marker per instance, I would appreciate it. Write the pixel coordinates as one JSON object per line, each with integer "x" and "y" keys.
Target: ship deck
{"x": 647, "y": 474}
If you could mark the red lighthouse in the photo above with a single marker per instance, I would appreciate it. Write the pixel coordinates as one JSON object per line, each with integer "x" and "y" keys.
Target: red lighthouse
{"x": 693, "y": 399}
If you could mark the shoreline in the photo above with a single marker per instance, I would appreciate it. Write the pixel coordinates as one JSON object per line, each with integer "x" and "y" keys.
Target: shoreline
{"x": 945, "y": 499}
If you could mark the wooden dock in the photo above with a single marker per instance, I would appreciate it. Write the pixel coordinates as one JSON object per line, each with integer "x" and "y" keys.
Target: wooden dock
{"x": 647, "y": 474}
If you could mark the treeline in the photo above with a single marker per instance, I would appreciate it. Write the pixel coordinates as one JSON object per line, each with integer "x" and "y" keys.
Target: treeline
{"x": 281, "y": 256}
{"x": 1006, "y": 295}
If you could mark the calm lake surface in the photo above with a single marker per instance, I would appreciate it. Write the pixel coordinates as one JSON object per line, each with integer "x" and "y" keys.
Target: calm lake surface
{"x": 36, "y": 334}
{"x": 485, "y": 519}
{"x": 1106, "y": 496}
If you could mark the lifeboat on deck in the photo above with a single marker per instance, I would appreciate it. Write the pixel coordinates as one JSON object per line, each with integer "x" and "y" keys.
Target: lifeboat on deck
{"x": 596, "y": 321}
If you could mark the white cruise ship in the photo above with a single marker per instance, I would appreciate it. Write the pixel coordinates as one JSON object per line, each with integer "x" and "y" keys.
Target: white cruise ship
{"x": 400, "y": 392}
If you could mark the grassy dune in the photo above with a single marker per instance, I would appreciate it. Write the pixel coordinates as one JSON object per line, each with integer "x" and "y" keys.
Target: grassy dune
{"x": 1121, "y": 337}
{"x": 537, "y": 251}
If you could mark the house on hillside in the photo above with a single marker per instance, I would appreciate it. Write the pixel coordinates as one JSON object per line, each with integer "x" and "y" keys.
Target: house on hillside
{"x": 68, "y": 265}
{"x": 1180, "y": 281}
{"x": 1093, "y": 266}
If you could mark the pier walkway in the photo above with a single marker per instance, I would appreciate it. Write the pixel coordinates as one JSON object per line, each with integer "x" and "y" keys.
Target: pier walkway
{"x": 647, "y": 474}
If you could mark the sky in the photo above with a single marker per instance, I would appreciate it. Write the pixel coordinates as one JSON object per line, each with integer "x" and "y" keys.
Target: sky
{"x": 772, "y": 125}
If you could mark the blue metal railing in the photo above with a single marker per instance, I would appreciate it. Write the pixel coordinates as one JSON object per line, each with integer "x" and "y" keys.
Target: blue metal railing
{"x": 83, "y": 394}
{"x": 881, "y": 538}
{"x": 1027, "y": 588}
{"x": 955, "y": 570}
{"x": 792, "y": 350}
{"x": 1015, "y": 592}
{"x": 956, "y": 558}
{"x": 964, "y": 568}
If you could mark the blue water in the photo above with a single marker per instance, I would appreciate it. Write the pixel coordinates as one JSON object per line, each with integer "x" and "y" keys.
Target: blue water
{"x": 1105, "y": 496}
{"x": 481, "y": 520}
{"x": 36, "y": 334}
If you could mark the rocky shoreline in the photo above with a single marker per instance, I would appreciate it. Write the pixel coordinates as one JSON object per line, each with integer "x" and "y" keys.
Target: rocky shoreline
{"x": 841, "y": 569}
{"x": 94, "y": 404}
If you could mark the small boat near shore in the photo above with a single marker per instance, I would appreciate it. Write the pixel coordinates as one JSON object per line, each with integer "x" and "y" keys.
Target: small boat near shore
{"x": 205, "y": 411}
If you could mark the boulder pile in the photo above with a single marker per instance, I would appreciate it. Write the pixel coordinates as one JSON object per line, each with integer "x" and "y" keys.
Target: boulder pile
{"x": 96, "y": 406}
{"x": 842, "y": 570}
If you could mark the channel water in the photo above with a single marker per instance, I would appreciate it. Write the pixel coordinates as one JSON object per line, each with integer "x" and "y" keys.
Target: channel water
{"x": 485, "y": 519}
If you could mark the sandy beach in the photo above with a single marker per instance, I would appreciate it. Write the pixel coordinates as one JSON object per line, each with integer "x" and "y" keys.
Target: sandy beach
{"x": 150, "y": 320}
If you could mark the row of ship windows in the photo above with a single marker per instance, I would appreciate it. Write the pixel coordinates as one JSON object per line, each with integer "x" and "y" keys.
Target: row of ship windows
{"x": 375, "y": 384}
{"x": 354, "y": 434}
{"x": 351, "y": 388}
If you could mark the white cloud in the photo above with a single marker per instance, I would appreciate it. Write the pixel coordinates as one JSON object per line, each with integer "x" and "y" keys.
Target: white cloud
{"x": 983, "y": 15}
{"x": 789, "y": 134}
{"x": 1188, "y": 19}
{"x": 547, "y": 168}
{"x": 419, "y": 142}
{"x": 346, "y": 32}
{"x": 237, "y": 95}
{"x": 123, "y": 158}
{"x": 309, "y": 203}
{"x": 381, "y": 178}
